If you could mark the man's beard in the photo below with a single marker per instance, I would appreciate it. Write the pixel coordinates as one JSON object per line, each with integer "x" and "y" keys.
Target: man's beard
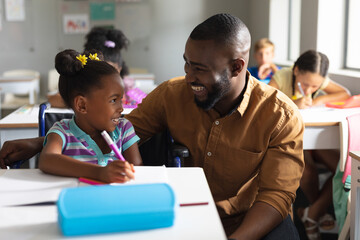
{"x": 219, "y": 89}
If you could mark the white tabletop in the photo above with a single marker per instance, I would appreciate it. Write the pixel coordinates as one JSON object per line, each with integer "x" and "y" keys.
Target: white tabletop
{"x": 325, "y": 115}
{"x": 26, "y": 115}
{"x": 195, "y": 222}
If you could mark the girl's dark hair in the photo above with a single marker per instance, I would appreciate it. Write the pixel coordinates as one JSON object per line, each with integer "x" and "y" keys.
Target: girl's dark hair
{"x": 311, "y": 61}
{"x": 76, "y": 79}
{"x": 110, "y": 42}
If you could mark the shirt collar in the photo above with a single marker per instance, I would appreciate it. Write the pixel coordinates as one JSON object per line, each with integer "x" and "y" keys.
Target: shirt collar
{"x": 246, "y": 97}
{"x": 78, "y": 133}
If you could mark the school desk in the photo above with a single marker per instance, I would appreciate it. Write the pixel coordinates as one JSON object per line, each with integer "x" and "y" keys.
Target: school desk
{"x": 326, "y": 128}
{"x": 21, "y": 85}
{"x": 22, "y": 123}
{"x": 192, "y": 222}
{"x": 355, "y": 195}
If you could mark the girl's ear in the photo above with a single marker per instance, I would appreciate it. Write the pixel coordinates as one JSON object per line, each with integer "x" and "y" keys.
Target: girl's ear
{"x": 237, "y": 66}
{"x": 296, "y": 70}
{"x": 80, "y": 104}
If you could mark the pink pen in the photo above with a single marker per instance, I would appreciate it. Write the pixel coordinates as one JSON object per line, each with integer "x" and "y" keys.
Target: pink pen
{"x": 112, "y": 145}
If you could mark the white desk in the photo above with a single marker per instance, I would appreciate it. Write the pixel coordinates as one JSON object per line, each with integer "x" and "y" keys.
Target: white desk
{"x": 22, "y": 123}
{"x": 21, "y": 85}
{"x": 195, "y": 222}
{"x": 326, "y": 128}
{"x": 322, "y": 126}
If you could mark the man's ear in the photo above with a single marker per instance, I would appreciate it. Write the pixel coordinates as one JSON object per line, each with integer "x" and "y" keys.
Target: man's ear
{"x": 80, "y": 104}
{"x": 237, "y": 66}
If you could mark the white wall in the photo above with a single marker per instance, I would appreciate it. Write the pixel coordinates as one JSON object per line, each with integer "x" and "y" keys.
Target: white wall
{"x": 157, "y": 29}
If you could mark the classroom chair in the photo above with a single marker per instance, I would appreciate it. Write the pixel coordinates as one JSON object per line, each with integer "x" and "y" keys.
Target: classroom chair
{"x": 343, "y": 195}
{"x": 157, "y": 151}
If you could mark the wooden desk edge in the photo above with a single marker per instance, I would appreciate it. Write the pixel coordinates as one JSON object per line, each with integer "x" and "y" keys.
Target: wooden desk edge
{"x": 19, "y": 125}
{"x": 321, "y": 124}
{"x": 355, "y": 155}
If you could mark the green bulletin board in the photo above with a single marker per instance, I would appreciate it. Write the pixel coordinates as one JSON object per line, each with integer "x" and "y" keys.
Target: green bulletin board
{"x": 102, "y": 11}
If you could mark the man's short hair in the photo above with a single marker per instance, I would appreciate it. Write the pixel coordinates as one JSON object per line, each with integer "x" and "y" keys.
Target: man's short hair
{"x": 222, "y": 28}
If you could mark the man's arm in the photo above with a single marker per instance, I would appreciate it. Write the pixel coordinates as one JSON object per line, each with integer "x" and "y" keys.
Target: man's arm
{"x": 21, "y": 149}
{"x": 259, "y": 221}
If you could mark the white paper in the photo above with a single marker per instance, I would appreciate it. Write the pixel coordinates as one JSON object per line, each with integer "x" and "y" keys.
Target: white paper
{"x": 148, "y": 174}
{"x": 27, "y": 186}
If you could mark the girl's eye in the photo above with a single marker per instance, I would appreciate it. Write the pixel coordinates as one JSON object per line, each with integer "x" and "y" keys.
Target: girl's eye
{"x": 113, "y": 100}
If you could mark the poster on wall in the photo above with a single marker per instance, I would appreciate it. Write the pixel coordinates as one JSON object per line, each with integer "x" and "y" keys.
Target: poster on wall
{"x": 76, "y": 23}
{"x": 15, "y": 10}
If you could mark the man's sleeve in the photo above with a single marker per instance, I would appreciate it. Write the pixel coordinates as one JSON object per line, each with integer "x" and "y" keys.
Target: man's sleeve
{"x": 283, "y": 164}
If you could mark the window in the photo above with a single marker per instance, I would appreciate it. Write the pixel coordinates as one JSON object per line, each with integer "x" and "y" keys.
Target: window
{"x": 352, "y": 47}
{"x": 284, "y": 29}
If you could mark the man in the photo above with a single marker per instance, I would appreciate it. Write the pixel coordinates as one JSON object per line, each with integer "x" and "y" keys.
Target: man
{"x": 246, "y": 136}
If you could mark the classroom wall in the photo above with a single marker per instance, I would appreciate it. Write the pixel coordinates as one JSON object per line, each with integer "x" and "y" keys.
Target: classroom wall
{"x": 157, "y": 30}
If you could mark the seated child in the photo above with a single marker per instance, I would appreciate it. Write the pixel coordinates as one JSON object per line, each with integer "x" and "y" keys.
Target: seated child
{"x": 264, "y": 55}
{"x": 74, "y": 147}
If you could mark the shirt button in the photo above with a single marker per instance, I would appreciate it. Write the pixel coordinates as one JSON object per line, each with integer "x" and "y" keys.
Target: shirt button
{"x": 209, "y": 154}
{"x": 217, "y": 122}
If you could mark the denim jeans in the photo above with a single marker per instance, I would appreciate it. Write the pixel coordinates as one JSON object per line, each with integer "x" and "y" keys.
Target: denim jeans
{"x": 286, "y": 230}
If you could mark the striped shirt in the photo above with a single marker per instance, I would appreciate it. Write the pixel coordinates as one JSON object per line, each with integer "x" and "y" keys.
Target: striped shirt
{"x": 79, "y": 145}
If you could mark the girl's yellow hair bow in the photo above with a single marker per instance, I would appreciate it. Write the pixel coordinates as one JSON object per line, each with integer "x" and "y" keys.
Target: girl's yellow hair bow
{"x": 94, "y": 57}
{"x": 82, "y": 59}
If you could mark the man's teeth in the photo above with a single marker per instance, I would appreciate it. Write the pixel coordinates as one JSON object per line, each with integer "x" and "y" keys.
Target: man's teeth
{"x": 115, "y": 120}
{"x": 197, "y": 88}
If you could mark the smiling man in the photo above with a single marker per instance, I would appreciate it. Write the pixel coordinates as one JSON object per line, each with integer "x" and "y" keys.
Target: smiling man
{"x": 247, "y": 136}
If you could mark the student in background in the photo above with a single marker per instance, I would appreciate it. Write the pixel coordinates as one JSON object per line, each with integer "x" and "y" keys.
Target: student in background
{"x": 75, "y": 147}
{"x": 110, "y": 42}
{"x": 264, "y": 56}
{"x": 308, "y": 85}
{"x": 307, "y": 82}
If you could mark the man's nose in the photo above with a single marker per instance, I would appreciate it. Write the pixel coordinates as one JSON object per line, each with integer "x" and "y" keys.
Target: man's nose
{"x": 189, "y": 77}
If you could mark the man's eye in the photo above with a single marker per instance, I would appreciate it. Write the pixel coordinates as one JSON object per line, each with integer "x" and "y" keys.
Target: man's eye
{"x": 113, "y": 100}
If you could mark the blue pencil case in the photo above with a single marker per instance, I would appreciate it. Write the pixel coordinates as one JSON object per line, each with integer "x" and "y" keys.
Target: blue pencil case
{"x": 108, "y": 209}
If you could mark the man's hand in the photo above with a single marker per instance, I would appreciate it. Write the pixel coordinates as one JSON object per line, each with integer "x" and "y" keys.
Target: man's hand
{"x": 258, "y": 222}
{"x": 17, "y": 150}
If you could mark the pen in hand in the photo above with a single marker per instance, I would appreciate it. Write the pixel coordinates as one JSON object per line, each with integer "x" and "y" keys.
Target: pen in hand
{"x": 300, "y": 89}
{"x": 112, "y": 145}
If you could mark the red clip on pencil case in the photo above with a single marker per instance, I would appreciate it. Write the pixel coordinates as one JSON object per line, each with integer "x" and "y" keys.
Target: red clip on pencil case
{"x": 353, "y": 101}
{"x": 108, "y": 209}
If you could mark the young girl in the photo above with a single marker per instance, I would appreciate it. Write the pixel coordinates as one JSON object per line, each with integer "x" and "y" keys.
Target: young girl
{"x": 75, "y": 147}
{"x": 310, "y": 72}
{"x": 308, "y": 85}
{"x": 110, "y": 42}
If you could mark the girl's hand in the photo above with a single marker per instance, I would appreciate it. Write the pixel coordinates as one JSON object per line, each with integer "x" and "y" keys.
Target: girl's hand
{"x": 304, "y": 102}
{"x": 117, "y": 171}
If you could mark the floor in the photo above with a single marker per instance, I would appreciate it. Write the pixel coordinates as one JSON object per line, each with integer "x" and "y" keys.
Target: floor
{"x": 302, "y": 202}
